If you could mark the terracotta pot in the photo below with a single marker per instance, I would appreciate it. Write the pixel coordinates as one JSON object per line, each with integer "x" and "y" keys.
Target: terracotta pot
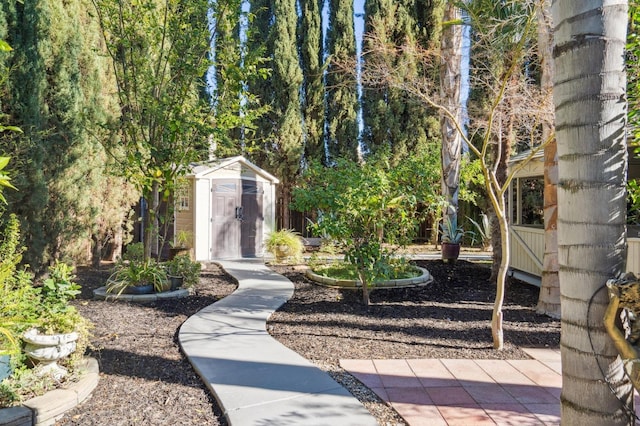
{"x": 450, "y": 252}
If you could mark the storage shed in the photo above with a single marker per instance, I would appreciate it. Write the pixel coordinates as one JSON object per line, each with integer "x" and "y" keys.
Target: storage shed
{"x": 228, "y": 205}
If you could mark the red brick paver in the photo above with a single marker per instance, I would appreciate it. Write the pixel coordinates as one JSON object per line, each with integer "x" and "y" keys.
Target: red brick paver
{"x": 467, "y": 392}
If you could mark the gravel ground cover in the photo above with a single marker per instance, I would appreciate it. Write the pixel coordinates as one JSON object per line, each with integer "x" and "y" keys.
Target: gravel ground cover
{"x": 146, "y": 380}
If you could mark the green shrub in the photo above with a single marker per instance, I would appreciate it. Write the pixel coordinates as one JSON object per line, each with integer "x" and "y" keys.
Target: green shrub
{"x": 183, "y": 266}
{"x": 283, "y": 244}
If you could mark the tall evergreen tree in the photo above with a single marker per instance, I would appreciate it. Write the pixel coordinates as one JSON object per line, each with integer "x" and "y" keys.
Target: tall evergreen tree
{"x": 56, "y": 97}
{"x": 286, "y": 143}
{"x": 278, "y": 142}
{"x": 311, "y": 50}
{"x": 237, "y": 61}
{"x": 260, "y": 37}
{"x": 392, "y": 119}
{"x": 342, "y": 98}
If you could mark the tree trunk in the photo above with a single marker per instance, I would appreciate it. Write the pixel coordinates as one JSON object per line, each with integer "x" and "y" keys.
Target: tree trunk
{"x": 450, "y": 79}
{"x": 549, "y": 298}
{"x": 96, "y": 250}
{"x": 285, "y": 198}
{"x": 590, "y": 107}
{"x": 365, "y": 289}
{"x": 501, "y": 281}
{"x": 503, "y": 150}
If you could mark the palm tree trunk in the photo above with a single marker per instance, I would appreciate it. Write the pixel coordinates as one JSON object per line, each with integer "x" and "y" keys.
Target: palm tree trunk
{"x": 590, "y": 106}
{"x": 450, "y": 79}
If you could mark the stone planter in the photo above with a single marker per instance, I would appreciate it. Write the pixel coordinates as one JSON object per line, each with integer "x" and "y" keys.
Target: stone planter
{"x": 47, "y": 350}
{"x": 120, "y": 287}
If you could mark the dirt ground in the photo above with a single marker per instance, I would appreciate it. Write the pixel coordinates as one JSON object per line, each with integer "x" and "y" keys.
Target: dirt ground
{"x": 146, "y": 380}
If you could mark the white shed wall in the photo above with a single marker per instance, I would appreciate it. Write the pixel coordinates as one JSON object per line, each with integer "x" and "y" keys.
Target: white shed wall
{"x": 202, "y": 219}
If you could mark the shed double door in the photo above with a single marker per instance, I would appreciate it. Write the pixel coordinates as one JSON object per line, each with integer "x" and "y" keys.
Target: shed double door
{"x": 237, "y": 218}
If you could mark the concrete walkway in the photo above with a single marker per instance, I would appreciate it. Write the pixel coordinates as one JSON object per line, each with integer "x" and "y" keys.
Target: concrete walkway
{"x": 255, "y": 379}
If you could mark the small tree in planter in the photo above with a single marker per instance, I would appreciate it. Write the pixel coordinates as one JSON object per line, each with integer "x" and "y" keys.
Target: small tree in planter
{"x": 366, "y": 208}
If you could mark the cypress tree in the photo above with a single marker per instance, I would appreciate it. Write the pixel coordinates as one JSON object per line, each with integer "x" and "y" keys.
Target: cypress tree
{"x": 342, "y": 99}
{"x": 259, "y": 38}
{"x": 393, "y": 120}
{"x": 287, "y": 139}
{"x": 57, "y": 97}
{"x": 313, "y": 84}
{"x": 278, "y": 140}
{"x": 375, "y": 114}
{"x": 228, "y": 90}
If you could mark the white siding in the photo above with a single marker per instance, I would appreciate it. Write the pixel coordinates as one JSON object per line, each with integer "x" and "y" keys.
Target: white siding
{"x": 202, "y": 219}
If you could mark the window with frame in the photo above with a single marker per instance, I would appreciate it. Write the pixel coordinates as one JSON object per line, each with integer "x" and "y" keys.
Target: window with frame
{"x": 527, "y": 201}
{"x": 183, "y": 199}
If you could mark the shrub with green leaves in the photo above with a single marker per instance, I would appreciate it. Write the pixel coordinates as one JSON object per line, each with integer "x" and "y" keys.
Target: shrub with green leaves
{"x": 366, "y": 208}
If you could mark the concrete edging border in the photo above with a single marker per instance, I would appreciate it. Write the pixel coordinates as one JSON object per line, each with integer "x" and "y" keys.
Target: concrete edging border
{"x": 100, "y": 293}
{"x": 44, "y": 410}
{"x": 424, "y": 279}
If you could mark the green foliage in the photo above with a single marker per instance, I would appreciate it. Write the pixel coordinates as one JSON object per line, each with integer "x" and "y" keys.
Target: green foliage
{"x": 311, "y": 51}
{"x": 182, "y": 266}
{"x": 5, "y": 180}
{"x": 341, "y": 95}
{"x": 399, "y": 269}
{"x": 160, "y": 53}
{"x": 282, "y": 146}
{"x": 393, "y": 120}
{"x": 60, "y": 93}
{"x": 236, "y": 107}
{"x": 137, "y": 273}
{"x": 24, "y": 306}
{"x": 183, "y": 239}
{"x": 18, "y": 298}
{"x": 59, "y": 288}
{"x": 362, "y": 207}
{"x": 451, "y": 232}
{"x": 633, "y": 202}
{"x": 471, "y": 180}
{"x": 285, "y": 243}
{"x": 483, "y": 229}
{"x": 8, "y": 396}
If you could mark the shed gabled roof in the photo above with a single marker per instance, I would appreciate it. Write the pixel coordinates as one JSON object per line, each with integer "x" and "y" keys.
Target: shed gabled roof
{"x": 199, "y": 170}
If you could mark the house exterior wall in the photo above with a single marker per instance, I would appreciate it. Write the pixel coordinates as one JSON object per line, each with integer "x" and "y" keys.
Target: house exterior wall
{"x": 527, "y": 243}
{"x": 184, "y": 218}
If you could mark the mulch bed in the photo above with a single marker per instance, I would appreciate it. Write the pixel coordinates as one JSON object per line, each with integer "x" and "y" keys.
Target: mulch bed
{"x": 145, "y": 379}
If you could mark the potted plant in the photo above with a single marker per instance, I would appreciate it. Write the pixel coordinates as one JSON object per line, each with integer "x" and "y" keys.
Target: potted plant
{"x": 285, "y": 243}
{"x": 134, "y": 275}
{"x": 181, "y": 243}
{"x": 59, "y": 330}
{"x": 451, "y": 236}
{"x": 182, "y": 271}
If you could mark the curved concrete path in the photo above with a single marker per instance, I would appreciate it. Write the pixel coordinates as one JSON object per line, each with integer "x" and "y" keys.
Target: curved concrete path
{"x": 255, "y": 379}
